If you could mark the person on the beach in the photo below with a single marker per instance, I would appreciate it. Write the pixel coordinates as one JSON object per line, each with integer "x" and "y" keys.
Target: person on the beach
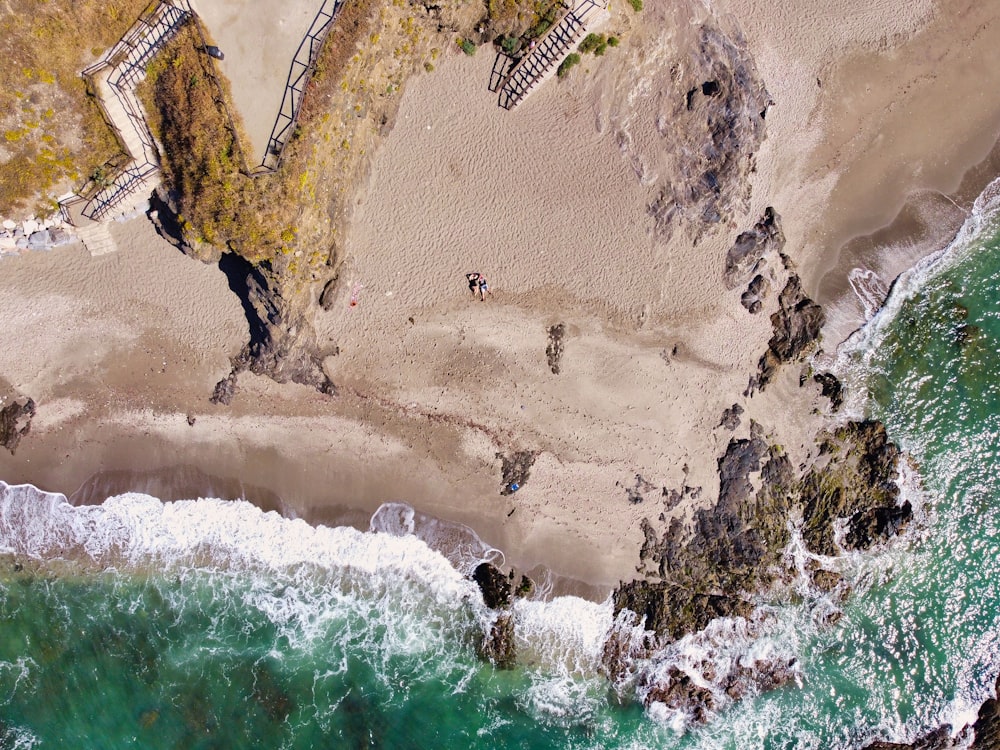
{"x": 473, "y": 282}
{"x": 484, "y": 288}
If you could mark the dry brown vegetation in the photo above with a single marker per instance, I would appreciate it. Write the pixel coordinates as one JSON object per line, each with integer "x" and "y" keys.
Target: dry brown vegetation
{"x": 293, "y": 218}
{"x": 218, "y": 203}
{"x": 54, "y": 135}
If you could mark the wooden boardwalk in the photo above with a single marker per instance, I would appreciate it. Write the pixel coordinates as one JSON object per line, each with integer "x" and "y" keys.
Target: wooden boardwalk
{"x": 514, "y": 78}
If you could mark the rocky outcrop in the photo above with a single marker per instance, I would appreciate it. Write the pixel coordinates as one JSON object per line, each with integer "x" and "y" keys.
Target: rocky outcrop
{"x": 497, "y": 646}
{"x": 554, "y": 349}
{"x": 15, "y": 421}
{"x": 282, "y": 343}
{"x": 987, "y": 725}
{"x": 855, "y": 479}
{"x": 731, "y": 417}
{"x": 672, "y": 611}
{"x": 515, "y": 469}
{"x": 706, "y": 568}
{"x": 493, "y": 584}
{"x": 712, "y": 133}
{"x": 747, "y": 253}
{"x": 796, "y": 324}
{"x": 831, "y": 389}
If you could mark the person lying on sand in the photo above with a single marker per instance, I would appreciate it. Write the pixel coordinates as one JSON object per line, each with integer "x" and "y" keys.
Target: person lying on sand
{"x": 484, "y": 288}
{"x": 473, "y": 282}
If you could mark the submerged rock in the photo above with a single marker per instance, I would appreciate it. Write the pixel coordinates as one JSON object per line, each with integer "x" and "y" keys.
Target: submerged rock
{"x": 498, "y": 646}
{"x": 15, "y": 421}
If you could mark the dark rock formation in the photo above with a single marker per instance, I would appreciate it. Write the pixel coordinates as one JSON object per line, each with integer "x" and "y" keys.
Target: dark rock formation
{"x": 758, "y": 677}
{"x": 637, "y": 492}
{"x": 276, "y": 303}
{"x": 282, "y": 339}
{"x": 498, "y": 645}
{"x": 826, "y": 580}
{"x": 678, "y": 691}
{"x": 525, "y": 587}
{"x": 329, "y": 294}
{"x": 712, "y": 134}
{"x": 554, "y": 350}
{"x": 939, "y": 739}
{"x": 15, "y": 421}
{"x": 871, "y": 524}
{"x": 745, "y": 255}
{"x": 856, "y": 482}
{"x": 225, "y": 389}
{"x": 728, "y": 549}
{"x": 796, "y": 325}
{"x": 494, "y": 585}
{"x": 757, "y": 291}
{"x": 731, "y": 417}
{"x": 515, "y": 469}
{"x": 987, "y": 725}
{"x": 673, "y": 611}
{"x": 831, "y": 389}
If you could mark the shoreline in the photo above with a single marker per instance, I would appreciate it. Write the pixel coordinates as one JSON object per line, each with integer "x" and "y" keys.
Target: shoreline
{"x": 434, "y": 388}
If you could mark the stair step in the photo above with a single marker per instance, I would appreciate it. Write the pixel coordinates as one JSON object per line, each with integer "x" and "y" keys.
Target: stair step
{"x": 97, "y": 239}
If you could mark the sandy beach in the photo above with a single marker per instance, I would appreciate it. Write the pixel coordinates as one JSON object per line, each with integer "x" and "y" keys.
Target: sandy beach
{"x": 883, "y": 129}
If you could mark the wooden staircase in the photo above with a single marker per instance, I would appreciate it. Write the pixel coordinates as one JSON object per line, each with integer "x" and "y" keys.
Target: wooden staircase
{"x": 513, "y": 79}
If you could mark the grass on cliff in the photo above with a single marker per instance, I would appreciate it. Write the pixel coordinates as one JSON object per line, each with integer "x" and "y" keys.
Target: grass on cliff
{"x": 54, "y": 135}
{"x": 218, "y": 203}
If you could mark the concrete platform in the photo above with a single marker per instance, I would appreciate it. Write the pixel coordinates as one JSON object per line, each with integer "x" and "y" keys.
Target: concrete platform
{"x": 259, "y": 39}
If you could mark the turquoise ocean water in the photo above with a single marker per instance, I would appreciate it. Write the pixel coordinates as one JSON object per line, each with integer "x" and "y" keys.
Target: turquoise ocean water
{"x": 209, "y": 624}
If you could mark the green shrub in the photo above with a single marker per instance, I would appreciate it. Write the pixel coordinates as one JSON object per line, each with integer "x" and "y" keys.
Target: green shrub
{"x": 468, "y": 47}
{"x": 510, "y": 44}
{"x": 592, "y": 42}
{"x": 613, "y": 41}
{"x": 636, "y": 5}
{"x": 564, "y": 67}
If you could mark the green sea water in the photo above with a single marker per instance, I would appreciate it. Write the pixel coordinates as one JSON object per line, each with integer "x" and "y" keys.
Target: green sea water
{"x": 209, "y": 624}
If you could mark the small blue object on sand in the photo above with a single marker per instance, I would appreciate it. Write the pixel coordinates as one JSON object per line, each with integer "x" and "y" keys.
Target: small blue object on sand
{"x": 514, "y": 487}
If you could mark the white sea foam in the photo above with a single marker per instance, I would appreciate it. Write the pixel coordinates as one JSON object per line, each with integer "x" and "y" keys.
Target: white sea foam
{"x": 869, "y": 288}
{"x": 854, "y": 352}
{"x": 459, "y": 544}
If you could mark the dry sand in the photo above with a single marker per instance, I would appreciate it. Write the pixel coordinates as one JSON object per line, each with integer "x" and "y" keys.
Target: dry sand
{"x": 119, "y": 351}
